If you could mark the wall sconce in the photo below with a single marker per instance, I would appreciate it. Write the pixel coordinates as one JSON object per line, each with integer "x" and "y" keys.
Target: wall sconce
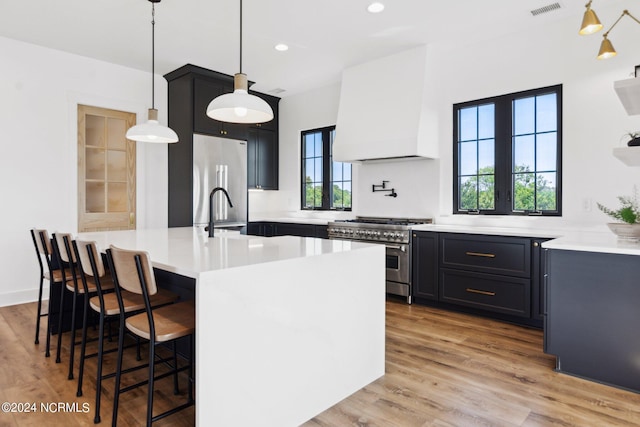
{"x": 591, "y": 24}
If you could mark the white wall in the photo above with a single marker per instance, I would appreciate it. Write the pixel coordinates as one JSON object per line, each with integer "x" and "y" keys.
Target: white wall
{"x": 38, "y": 116}
{"x": 314, "y": 109}
{"x": 593, "y": 117}
{"x": 593, "y": 123}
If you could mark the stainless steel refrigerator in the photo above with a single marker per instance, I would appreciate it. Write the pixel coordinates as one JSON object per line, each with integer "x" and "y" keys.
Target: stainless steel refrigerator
{"x": 219, "y": 162}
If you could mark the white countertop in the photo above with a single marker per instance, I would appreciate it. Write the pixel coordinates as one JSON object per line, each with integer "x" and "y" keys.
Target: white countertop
{"x": 594, "y": 242}
{"x": 189, "y": 251}
{"x": 498, "y": 231}
{"x": 567, "y": 239}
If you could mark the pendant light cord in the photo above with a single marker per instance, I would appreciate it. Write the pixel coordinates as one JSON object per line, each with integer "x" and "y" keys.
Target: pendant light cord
{"x": 153, "y": 54}
{"x": 240, "y": 36}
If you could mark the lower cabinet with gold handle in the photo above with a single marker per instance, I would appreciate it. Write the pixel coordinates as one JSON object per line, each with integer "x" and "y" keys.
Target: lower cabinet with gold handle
{"x": 500, "y": 294}
{"x": 488, "y": 275}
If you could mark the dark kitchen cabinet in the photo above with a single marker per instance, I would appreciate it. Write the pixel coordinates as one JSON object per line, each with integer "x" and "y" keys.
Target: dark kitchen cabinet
{"x": 495, "y": 276}
{"x": 491, "y": 292}
{"x": 258, "y": 228}
{"x": 592, "y": 316}
{"x": 262, "y": 163}
{"x": 424, "y": 265}
{"x": 489, "y": 254}
{"x": 190, "y": 89}
{"x": 204, "y": 92}
{"x": 270, "y": 229}
{"x": 537, "y": 279}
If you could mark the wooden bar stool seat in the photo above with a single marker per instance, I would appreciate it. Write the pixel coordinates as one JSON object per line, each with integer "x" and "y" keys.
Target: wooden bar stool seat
{"x": 91, "y": 287}
{"x": 171, "y": 322}
{"x": 132, "y": 302}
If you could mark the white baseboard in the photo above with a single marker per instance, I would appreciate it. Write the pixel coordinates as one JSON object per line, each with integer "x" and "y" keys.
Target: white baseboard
{"x": 22, "y": 297}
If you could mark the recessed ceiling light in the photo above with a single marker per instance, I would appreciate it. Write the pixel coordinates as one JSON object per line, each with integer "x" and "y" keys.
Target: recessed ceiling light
{"x": 375, "y": 7}
{"x": 281, "y": 47}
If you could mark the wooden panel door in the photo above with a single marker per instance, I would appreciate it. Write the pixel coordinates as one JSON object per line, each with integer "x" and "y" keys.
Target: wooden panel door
{"x": 106, "y": 170}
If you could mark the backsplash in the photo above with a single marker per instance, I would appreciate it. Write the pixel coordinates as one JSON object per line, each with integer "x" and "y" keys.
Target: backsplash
{"x": 415, "y": 182}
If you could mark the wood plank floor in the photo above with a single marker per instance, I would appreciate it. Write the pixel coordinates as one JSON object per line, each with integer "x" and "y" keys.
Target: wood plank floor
{"x": 442, "y": 369}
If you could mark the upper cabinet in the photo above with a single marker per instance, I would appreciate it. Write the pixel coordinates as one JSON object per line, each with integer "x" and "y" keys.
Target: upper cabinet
{"x": 262, "y": 163}
{"x": 191, "y": 89}
{"x": 629, "y": 93}
{"x": 204, "y": 92}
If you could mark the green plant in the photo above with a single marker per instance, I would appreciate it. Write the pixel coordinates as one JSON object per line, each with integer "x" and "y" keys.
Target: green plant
{"x": 629, "y": 210}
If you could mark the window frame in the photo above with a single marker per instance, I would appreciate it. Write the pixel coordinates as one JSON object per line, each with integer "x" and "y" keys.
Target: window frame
{"x": 327, "y": 176}
{"x": 503, "y": 153}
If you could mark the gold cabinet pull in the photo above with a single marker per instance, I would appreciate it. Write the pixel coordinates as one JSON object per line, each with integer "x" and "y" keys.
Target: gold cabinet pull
{"x": 480, "y": 254}
{"x": 478, "y": 291}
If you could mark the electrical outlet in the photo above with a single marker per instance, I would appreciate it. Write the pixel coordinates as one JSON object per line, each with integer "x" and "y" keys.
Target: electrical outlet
{"x": 586, "y": 204}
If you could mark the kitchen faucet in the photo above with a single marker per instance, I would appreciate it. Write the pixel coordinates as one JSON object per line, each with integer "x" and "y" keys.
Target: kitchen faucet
{"x": 211, "y": 210}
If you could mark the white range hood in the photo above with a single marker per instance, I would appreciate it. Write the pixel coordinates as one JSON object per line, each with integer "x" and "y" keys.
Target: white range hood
{"x": 385, "y": 111}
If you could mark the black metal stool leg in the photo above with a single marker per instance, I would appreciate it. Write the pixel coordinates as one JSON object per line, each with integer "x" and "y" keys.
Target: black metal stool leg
{"x": 39, "y": 314}
{"x": 152, "y": 356}
{"x": 60, "y": 316}
{"x": 83, "y": 348}
{"x": 72, "y": 341}
{"x": 176, "y": 390}
{"x": 116, "y": 395}
{"x": 96, "y": 418}
{"x": 47, "y": 352}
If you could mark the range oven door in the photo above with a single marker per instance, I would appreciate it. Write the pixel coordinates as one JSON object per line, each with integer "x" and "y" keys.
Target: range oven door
{"x": 397, "y": 268}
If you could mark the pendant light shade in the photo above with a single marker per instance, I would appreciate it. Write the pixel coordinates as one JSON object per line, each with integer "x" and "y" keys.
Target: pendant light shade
{"x": 590, "y": 22}
{"x": 606, "y": 49}
{"x": 240, "y": 106}
{"x": 152, "y": 130}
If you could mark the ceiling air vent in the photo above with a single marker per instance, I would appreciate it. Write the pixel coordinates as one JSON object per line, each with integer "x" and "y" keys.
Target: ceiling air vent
{"x": 545, "y": 9}
{"x": 277, "y": 91}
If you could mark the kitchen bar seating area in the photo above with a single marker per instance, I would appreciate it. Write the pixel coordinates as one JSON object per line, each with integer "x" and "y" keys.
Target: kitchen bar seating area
{"x": 127, "y": 293}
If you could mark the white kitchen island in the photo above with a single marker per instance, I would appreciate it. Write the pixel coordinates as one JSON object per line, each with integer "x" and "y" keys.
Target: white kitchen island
{"x": 286, "y": 326}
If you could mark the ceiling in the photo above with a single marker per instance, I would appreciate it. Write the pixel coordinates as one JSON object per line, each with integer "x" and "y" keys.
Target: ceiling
{"x": 324, "y": 36}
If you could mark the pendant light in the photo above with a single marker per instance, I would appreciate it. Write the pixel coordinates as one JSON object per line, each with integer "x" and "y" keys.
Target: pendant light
{"x": 590, "y": 22}
{"x": 152, "y": 131}
{"x": 240, "y": 106}
{"x": 606, "y": 47}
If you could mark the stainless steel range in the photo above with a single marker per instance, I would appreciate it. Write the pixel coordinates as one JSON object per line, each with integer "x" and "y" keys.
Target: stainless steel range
{"x": 395, "y": 234}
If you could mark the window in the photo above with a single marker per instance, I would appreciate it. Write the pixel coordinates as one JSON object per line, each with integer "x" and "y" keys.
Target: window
{"x": 507, "y": 154}
{"x": 326, "y": 185}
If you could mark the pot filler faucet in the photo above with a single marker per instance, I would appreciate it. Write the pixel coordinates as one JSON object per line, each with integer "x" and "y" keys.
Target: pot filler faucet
{"x": 211, "y": 210}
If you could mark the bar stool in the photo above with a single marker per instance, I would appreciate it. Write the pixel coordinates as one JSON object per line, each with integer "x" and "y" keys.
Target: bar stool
{"x": 44, "y": 275}
{"x": 56, "y": 275}
{"x": 66, "y": 255}
{"x": 132, "y": 271}
{"x": 106, "y": 305}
